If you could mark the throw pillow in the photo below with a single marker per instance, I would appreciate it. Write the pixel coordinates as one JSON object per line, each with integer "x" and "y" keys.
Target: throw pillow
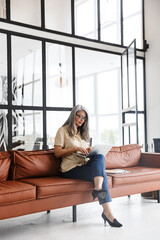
{"x": 123, "y": 156}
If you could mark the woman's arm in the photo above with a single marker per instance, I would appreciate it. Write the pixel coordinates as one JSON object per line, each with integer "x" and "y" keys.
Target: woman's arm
{"x": 61, "y": 152}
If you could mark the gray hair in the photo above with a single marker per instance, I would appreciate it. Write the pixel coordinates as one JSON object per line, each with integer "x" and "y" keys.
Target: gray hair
{"x": 72, "y": 129}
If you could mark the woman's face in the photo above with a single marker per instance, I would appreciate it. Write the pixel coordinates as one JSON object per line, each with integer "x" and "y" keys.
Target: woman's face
{"x": 80, "y": 118}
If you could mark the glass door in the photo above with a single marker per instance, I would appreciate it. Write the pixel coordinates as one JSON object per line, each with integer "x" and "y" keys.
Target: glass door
{"x": 129, "y": 95}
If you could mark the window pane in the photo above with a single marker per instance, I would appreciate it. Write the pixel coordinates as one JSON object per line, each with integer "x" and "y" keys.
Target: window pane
{"x": 86, "y": 18}
{"x": 54, "y": 121}
{"x": 140, "y": 85}
{"x": 2, "y": 8}
{"x": 110, "y": 21}
{"x": 3, "y": 70}
{"x": 27, "y": 130}
{"x": 108, "y": 130}
{"x": 126, "y": 135}
{"x": 132, "y": 13}
{"x": 124, "y": 81}
{"x": 87, "y": 98}
{"x": 130, "y": 118}
{"x": 133, "y": 138}
{"x": 93, "y": 74}
{"x": 98, "y": 89}
{"x": 26, "y": 11}
{"x": 141, "y": 130}
{"x": 92, "y": 130}
{"x": 26, "y": 72}
{"x": 108, "y": 92}
{"x": 3, "y": 130}
{"x": 131, "y": 70}
{"x": 59, "y": 76}
{"x": 58, "y": 15}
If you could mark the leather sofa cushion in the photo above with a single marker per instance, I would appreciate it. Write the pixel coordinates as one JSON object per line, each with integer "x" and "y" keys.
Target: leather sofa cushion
{"x": 123, "y": 156}
{"x": 29, "y": 164}
{"x": 5, "y": 162}
{"x": 136, "y": 175}
{"x": 52, "y": 186}
{"x": 16, "y": 192}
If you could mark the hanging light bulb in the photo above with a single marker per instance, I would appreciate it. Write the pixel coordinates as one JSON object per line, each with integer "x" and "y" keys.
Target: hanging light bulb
{"x": 60, "y": 79}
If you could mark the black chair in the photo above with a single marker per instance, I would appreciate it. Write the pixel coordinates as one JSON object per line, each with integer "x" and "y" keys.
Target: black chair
{"x": 156, "y": 144}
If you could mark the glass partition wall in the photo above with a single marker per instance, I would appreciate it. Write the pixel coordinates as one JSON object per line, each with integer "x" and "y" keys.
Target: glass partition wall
{"x": 110, "y": 12}
{"x": 42, "y": 79}
{"x": 3, "y": 70}
{"x": 59, "y": 87}
{"x": 98, "y": 88}
{"x": 112, "y": 21}
{"x": 129, "y": 96}
{"x": 27, "y": 125}
{"x": 59, "y": 75}
{"x": 3, "y": 93}
{"x": 26, "y": 72}
{"x": 86, "y": 23}
{"x": 39, "y": 103}
{"x": 132, "y": 22}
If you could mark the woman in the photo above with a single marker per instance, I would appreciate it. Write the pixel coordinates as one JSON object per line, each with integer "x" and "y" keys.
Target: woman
{"x": 73, "y": 138}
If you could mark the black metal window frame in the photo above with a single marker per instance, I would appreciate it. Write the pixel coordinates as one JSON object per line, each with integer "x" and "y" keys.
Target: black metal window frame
{"x": 137, "y": 112}
{"x": 128, "y": 97}
{"x": 43, "y": 28}
{"x": 42, "y": 108}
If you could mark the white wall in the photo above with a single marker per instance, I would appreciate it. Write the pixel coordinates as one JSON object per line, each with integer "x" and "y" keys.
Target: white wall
{"x": 152, "y": 19}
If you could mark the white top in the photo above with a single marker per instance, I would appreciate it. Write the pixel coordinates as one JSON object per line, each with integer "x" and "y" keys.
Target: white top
{"x": 65, "y": 141}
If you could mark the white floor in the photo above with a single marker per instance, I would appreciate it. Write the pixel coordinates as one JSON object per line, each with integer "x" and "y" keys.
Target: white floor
{"x": 140, "y": 218}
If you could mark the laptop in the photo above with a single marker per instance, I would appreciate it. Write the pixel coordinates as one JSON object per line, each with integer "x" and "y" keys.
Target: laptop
{"x": 97, "y": 149}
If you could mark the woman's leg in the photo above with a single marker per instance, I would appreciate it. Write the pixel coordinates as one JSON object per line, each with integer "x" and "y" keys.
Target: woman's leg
{"x": 98, "y": 181}
{"x": 101, "y": 182}
{"x": 94, "y": 171}
{"x": 97, "y": 164}
{"x": 107, "y": 211}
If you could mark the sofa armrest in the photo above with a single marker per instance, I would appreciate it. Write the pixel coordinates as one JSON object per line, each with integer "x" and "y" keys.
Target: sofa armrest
{"x": 150, "y": 160}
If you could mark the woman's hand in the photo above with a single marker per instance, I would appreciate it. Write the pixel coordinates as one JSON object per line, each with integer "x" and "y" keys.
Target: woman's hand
{"x": 82, "y": 150}
{"x": 89, "y": 149}
{"x": 61, "y": 152}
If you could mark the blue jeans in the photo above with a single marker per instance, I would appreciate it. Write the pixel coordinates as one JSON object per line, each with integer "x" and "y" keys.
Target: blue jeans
{"x": 93, "y": 168}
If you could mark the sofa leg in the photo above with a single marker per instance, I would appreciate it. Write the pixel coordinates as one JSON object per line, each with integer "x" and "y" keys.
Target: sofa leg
{"x": 158, "y": 194}
{"x": 74, "y": 211}
{"x": 48, "y": 211}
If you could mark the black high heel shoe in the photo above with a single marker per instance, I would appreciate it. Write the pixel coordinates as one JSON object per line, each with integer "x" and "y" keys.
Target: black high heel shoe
{"x": 99, "y": 193}
{"x": 115, "y": 223}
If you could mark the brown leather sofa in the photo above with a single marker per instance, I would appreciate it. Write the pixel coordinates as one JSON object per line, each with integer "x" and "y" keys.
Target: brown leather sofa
{"x": 30, "y": 181}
